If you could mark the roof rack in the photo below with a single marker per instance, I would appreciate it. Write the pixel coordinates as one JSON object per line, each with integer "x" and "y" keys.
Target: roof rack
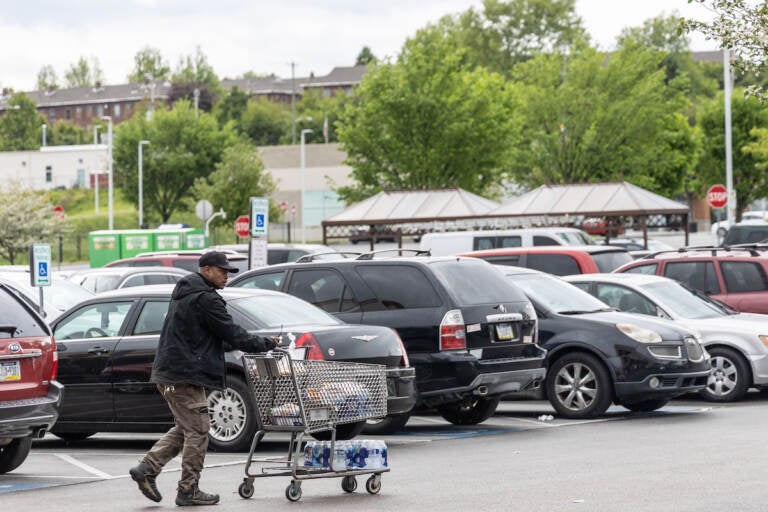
{"x": 753, "y": 250}
{"x": 308, "y": 258}
{"x": 415, "y": 252}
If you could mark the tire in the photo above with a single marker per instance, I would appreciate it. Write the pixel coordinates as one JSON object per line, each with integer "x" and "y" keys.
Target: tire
{"x": 73, "y": 436}
{"x": 293, "y": 492}
{"x": 470, "y": 411}
{"x": 646, "y": 405}
{"x": 344, "y": 432}
{"x": 730, "y": 377}
{"x": 13, "y": 454}
{"x": 233, "y": 416}
{"x": 349, "y": 484}
{"x": 387, "y": 425}
{"x": 588, "y": 398}
{"x": 245, "y": 490}
{"x": 373, "y": 484}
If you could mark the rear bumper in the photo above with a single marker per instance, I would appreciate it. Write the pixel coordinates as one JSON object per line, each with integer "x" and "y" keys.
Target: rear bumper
{"x": 401, "y": 390}
{"x": 670, "y": 385}
{"x": 34, "y": 416}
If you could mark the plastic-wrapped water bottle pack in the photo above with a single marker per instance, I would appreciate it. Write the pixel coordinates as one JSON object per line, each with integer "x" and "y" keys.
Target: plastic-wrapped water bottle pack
{"x": 365, "y": 454}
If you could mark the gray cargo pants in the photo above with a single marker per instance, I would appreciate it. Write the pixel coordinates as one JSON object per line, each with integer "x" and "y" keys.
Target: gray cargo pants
{"x": 189, "y": 436}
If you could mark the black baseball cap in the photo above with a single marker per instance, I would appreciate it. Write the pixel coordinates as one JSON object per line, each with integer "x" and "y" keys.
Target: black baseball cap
{"x": 216, "y": 259}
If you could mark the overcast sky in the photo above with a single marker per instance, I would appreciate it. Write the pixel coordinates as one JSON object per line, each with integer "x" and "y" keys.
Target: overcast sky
{"x": 257, "y": 35}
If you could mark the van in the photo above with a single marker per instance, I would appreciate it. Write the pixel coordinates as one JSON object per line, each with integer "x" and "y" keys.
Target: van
{"x": 455, "y": 242}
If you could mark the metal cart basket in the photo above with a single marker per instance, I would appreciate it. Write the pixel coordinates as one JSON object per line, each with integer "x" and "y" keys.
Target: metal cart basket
{"x": 307, "y": 396}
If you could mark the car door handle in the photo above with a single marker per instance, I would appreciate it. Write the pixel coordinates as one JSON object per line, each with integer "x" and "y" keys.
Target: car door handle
{"x": 98, "y": 350}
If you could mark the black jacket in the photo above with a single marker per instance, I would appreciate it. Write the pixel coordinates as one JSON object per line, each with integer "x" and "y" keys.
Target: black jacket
{"x": 196, "y": 333}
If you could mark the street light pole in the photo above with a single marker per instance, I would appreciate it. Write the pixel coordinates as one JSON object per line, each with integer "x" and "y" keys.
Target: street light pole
{"x": 97, "y": 182}
{"x": 110, "y": 206}
{"x": 141, "y": 185}
{"x": 44, "y": 127}
{"x": 303, "y": 165}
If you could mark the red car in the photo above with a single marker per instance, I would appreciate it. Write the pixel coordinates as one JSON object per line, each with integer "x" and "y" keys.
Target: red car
{"x": 560, "y": 260}
{"x": 188, "y": 261}
{"x": 597, "y": 226}
{"x": 30, "y": 397}
{"x": 737, "y": 277}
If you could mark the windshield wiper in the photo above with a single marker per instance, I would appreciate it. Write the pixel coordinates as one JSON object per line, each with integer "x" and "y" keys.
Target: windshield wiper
{"x": 573, "y": 312}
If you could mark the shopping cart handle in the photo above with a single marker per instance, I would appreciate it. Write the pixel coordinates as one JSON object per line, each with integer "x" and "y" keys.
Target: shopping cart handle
{"x": 281, "y": 350}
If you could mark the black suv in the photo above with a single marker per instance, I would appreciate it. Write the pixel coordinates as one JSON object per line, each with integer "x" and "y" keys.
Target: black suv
{"x": 470, "y": 334}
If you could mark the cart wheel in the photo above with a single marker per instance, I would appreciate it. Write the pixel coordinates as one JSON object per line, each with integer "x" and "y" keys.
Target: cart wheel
{"x": 245, "y": 490}
{"x": 349, "y": 483}
{"x": 373, "y": 484}
{"x": 293, "y": 492}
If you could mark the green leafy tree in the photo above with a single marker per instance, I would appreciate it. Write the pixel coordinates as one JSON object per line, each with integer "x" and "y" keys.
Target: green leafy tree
{"x": 427, "y": 121}
{"x": 748, "y": 117}
{"x": 84, "y": 74}
{"x": 26, "y": 217}
{"x": 47, "y": 79}
{"x": 21, "y": 125}
{"x": 365, "y": 56}
{"x": 757, "y": 149}
{"x": 67, "y": 133}
{"x": 266, "y": 123}
{"x": 148, "y": 64}
{"x": 194, "y": 73}
{"x": 232, "y": 107}
{"x": 183, "y": 147}
{"x": 588, "y": 120}
{"x": 314, "y": 110}
{"x": 239, "y": 176}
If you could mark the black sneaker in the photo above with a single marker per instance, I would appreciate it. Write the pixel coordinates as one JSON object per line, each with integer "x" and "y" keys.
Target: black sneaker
{"x": 196, "y": 497}
{"x": 145, "y": 477}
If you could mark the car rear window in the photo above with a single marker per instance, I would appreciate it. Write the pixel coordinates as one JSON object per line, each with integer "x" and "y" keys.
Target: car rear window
{"x": 476, "y": 282}
{"x": 744, "y": 276}
{"x": 699, "y": 275}
{"x": 746, "y": 235}
{"x": 608, "y": 261}
{"x": 399, "y": 286}
{"x": 12, "y": 312}
{"x": 557, "y": 264}
{"x": 187, "y": 264}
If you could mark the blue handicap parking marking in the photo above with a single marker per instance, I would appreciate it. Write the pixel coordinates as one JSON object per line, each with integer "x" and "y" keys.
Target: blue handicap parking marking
{"x": 259, "y": 220}
{"x": 7, "y": 485}
{"x": 42, "y": 268}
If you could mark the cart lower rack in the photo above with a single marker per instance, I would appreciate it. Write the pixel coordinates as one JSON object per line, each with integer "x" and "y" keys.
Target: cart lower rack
{"x": 303, "y": 397}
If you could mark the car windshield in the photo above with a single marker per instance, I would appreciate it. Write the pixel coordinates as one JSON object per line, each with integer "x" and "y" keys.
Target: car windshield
{"x": 475, "y": 282}
{"x": 609, "y": 261}
{"x": 280, "y": 311}
{"x": 557, "y": 295}
{"x": 576, "y": 238}
{"x": 685, "y": 302}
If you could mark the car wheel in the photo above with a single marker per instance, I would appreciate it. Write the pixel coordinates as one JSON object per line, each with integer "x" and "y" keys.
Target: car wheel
{"x": 73, "y": 436}
{"x": 233, "y": 416}
{"x": 729, "y": 379}
{"x": 344, "y": 431}
{"x": 646, "y": 405}
{"x": 13, "y": 454}
{"x": 387, "y": 425}
{"x": 470, "y": 411}
{"x": 579, "y": 386}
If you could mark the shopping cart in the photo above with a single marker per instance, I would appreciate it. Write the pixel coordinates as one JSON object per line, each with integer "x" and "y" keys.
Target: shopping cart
{"x": 303, "y": 397}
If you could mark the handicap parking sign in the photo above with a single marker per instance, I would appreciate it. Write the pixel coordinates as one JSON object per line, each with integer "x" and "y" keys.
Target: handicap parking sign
{"x": 40, "y": 264}
{"x": 42, "y": 268}
{"x": 260, "y": 220}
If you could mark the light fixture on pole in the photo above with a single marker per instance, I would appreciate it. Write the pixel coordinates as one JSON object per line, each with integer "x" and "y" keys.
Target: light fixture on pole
{"x": 96, "y": 181}
{"x": 44, "y": 127}
{"x": 110, "y": 207}
{"x": 303, "y": 165}
{"x": 141, "y": 185}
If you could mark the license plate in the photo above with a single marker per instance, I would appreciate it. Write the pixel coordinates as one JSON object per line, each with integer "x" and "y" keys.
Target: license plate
{"x": 504, "y": 332}
{"x": 10, "y": 371}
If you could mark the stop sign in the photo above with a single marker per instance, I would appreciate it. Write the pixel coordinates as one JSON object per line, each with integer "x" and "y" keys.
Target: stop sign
{"x": 717, "y": 196}
{"x": 58, "y": 212}
{"x": 243, "y": 226}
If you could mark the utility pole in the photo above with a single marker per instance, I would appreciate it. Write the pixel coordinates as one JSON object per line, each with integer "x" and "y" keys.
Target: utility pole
{"x": 293, "y": 103}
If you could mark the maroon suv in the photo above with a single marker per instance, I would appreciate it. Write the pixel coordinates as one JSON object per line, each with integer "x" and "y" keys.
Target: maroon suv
{"x": 736, "y": 276}
{"x": 30, "y": 397}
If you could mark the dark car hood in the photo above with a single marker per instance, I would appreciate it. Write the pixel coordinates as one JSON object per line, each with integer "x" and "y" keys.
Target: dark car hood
{"x": 348, "y": 342}
{"x": 667, "y": 329}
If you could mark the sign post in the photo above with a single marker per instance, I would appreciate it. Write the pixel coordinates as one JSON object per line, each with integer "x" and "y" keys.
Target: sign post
{"x": 259, "y": 228}
{"x": 40, "y": 268}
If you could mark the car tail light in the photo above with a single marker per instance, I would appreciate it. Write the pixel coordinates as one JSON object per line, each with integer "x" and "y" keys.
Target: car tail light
{"x": 452, "y": 333}
{"x": 55, "y": 364}
{"x": 314, "y": 352}
{"x": 404, "y": 359}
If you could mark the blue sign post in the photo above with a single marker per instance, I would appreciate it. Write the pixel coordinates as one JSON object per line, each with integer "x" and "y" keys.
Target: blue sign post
{"x": 40, "y": 268}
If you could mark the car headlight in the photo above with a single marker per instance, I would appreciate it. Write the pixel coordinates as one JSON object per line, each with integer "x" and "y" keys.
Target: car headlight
{"x": 640, "y": 334}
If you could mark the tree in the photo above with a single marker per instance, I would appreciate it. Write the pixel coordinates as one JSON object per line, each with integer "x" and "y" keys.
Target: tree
{"x": 591, "y": 120}
{"x": 183, "y": 147}
{"x": 239, "y": 176}
{"x": 232, "y": 107}
{"x": 748, "y": 117}
{"x": 83, "y": 74}
{"x": 67, "y": 133}
{"x": 194, "y": 73}
{"x": 47, "y": 78}
{"x": 365, "y": 57}
{"x": 148, "y": 64}
{"x": 739, "y": 26}
{"x": 21, "y": 125}
{"x": 266, "y": 123}
{"x": 316, "y": 110}
{"x": 25, "y": 218}
{"x": 427, "y": 121}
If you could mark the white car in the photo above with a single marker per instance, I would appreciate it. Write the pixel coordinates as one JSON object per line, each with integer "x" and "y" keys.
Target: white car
{"x": 736, "y": 342}
{"x": 719, "y": 229}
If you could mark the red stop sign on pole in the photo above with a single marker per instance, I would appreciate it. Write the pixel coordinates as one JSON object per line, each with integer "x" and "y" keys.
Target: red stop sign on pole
{"x": 58, "y": 212}
{"x": 243, "y": 226}
{"x": 717, "y": 196}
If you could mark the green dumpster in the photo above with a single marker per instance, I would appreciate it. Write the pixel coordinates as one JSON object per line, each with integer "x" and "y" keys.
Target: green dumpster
{"x": 168, "y": 240}
{"x": 104, "y": 247}
{"x": 195, "y": 239}
{"x": 136, "y": 241}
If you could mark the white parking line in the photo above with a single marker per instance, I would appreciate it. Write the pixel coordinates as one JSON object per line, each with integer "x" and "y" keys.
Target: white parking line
{"x": 85, "y": 467}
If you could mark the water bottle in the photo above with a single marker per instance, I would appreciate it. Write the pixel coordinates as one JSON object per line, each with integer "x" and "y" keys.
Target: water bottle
{"x": 340, "y": 456}
{"x": 384, "y": 460}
